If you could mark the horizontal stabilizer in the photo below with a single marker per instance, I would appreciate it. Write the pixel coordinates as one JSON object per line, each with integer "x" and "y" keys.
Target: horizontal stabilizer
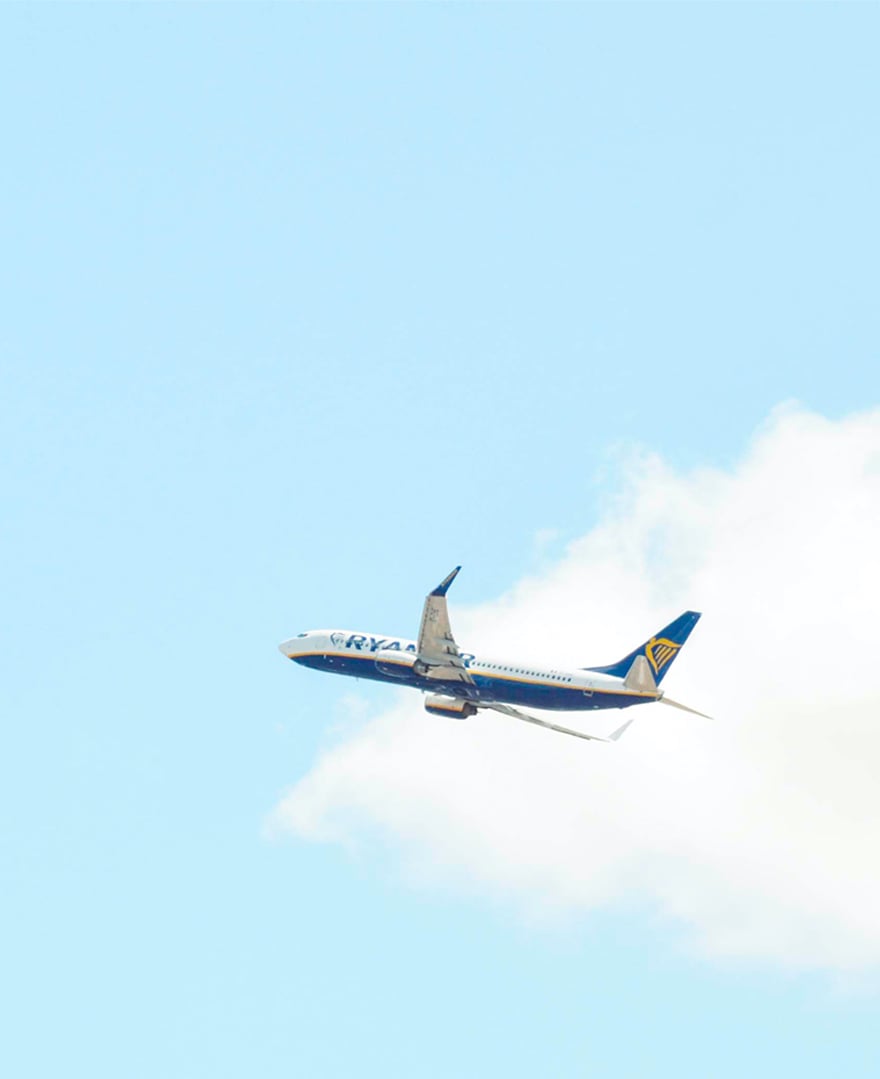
{"x": 683, "y": 707}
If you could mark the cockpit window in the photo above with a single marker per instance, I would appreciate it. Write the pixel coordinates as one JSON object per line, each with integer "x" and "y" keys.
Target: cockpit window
{"x": 302, "y": 634}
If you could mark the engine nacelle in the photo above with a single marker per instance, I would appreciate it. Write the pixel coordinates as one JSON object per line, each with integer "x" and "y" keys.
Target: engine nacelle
{"x": 395, "y": 664}
{"x": 438, "y": 705}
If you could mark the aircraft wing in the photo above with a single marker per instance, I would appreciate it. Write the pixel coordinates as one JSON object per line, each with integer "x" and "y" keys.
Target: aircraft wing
{"x": 437, "y": 651}
{"x": 506, "y": 710}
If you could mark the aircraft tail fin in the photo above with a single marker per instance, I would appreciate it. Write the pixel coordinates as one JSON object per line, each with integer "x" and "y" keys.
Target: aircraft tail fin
{"x": 650, "y": 661}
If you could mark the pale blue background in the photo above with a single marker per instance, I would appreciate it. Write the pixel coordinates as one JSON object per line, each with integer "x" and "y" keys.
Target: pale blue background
{"x": 303, "y": 306}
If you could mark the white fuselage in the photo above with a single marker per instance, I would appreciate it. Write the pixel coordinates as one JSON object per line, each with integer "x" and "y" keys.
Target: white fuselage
{"x": 392, "y": 659}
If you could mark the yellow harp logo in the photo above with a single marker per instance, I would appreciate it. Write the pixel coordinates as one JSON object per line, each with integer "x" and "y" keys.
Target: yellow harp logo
{"x": 659, "y": 652}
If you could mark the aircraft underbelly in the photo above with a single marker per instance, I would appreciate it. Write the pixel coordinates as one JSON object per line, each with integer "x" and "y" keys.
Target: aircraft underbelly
{"x": 552, "y": 698}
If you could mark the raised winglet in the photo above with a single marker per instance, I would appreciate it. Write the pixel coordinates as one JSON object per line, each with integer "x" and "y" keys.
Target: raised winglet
{"x": 620, "y": 730}
{"x": 443, "y": 587}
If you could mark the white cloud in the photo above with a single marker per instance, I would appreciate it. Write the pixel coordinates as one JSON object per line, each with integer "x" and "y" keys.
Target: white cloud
{"x": 759, "y": 833}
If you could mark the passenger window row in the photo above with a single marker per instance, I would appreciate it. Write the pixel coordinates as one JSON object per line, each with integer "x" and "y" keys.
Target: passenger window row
{"x": 533, "y": 674}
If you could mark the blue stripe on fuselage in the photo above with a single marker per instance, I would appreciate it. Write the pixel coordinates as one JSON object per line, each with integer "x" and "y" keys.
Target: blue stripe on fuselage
{"x": 491, "y": 687}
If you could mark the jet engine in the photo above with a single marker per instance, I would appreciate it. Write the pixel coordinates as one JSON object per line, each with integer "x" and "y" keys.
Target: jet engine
{"x": 395, "y": 664}
{"x": 438, "y": 705}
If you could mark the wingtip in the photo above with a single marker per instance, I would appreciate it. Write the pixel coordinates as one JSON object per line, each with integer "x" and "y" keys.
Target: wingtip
{"x": 620, "y": 730}
{"x": 443, "y": 587}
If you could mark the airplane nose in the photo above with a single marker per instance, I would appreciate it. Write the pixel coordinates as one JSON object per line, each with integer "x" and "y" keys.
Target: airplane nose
{"x": 290, "y": 648}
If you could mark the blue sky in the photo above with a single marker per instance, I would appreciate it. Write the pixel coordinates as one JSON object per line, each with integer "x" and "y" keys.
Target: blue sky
{"x": 303, "y": 306}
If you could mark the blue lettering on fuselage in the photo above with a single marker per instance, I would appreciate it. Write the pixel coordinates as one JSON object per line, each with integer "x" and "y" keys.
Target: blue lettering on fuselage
{"x": 362, "y": 643}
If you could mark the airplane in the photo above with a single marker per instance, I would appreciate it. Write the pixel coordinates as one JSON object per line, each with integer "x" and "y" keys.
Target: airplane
{"x": 459, "y": 684}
